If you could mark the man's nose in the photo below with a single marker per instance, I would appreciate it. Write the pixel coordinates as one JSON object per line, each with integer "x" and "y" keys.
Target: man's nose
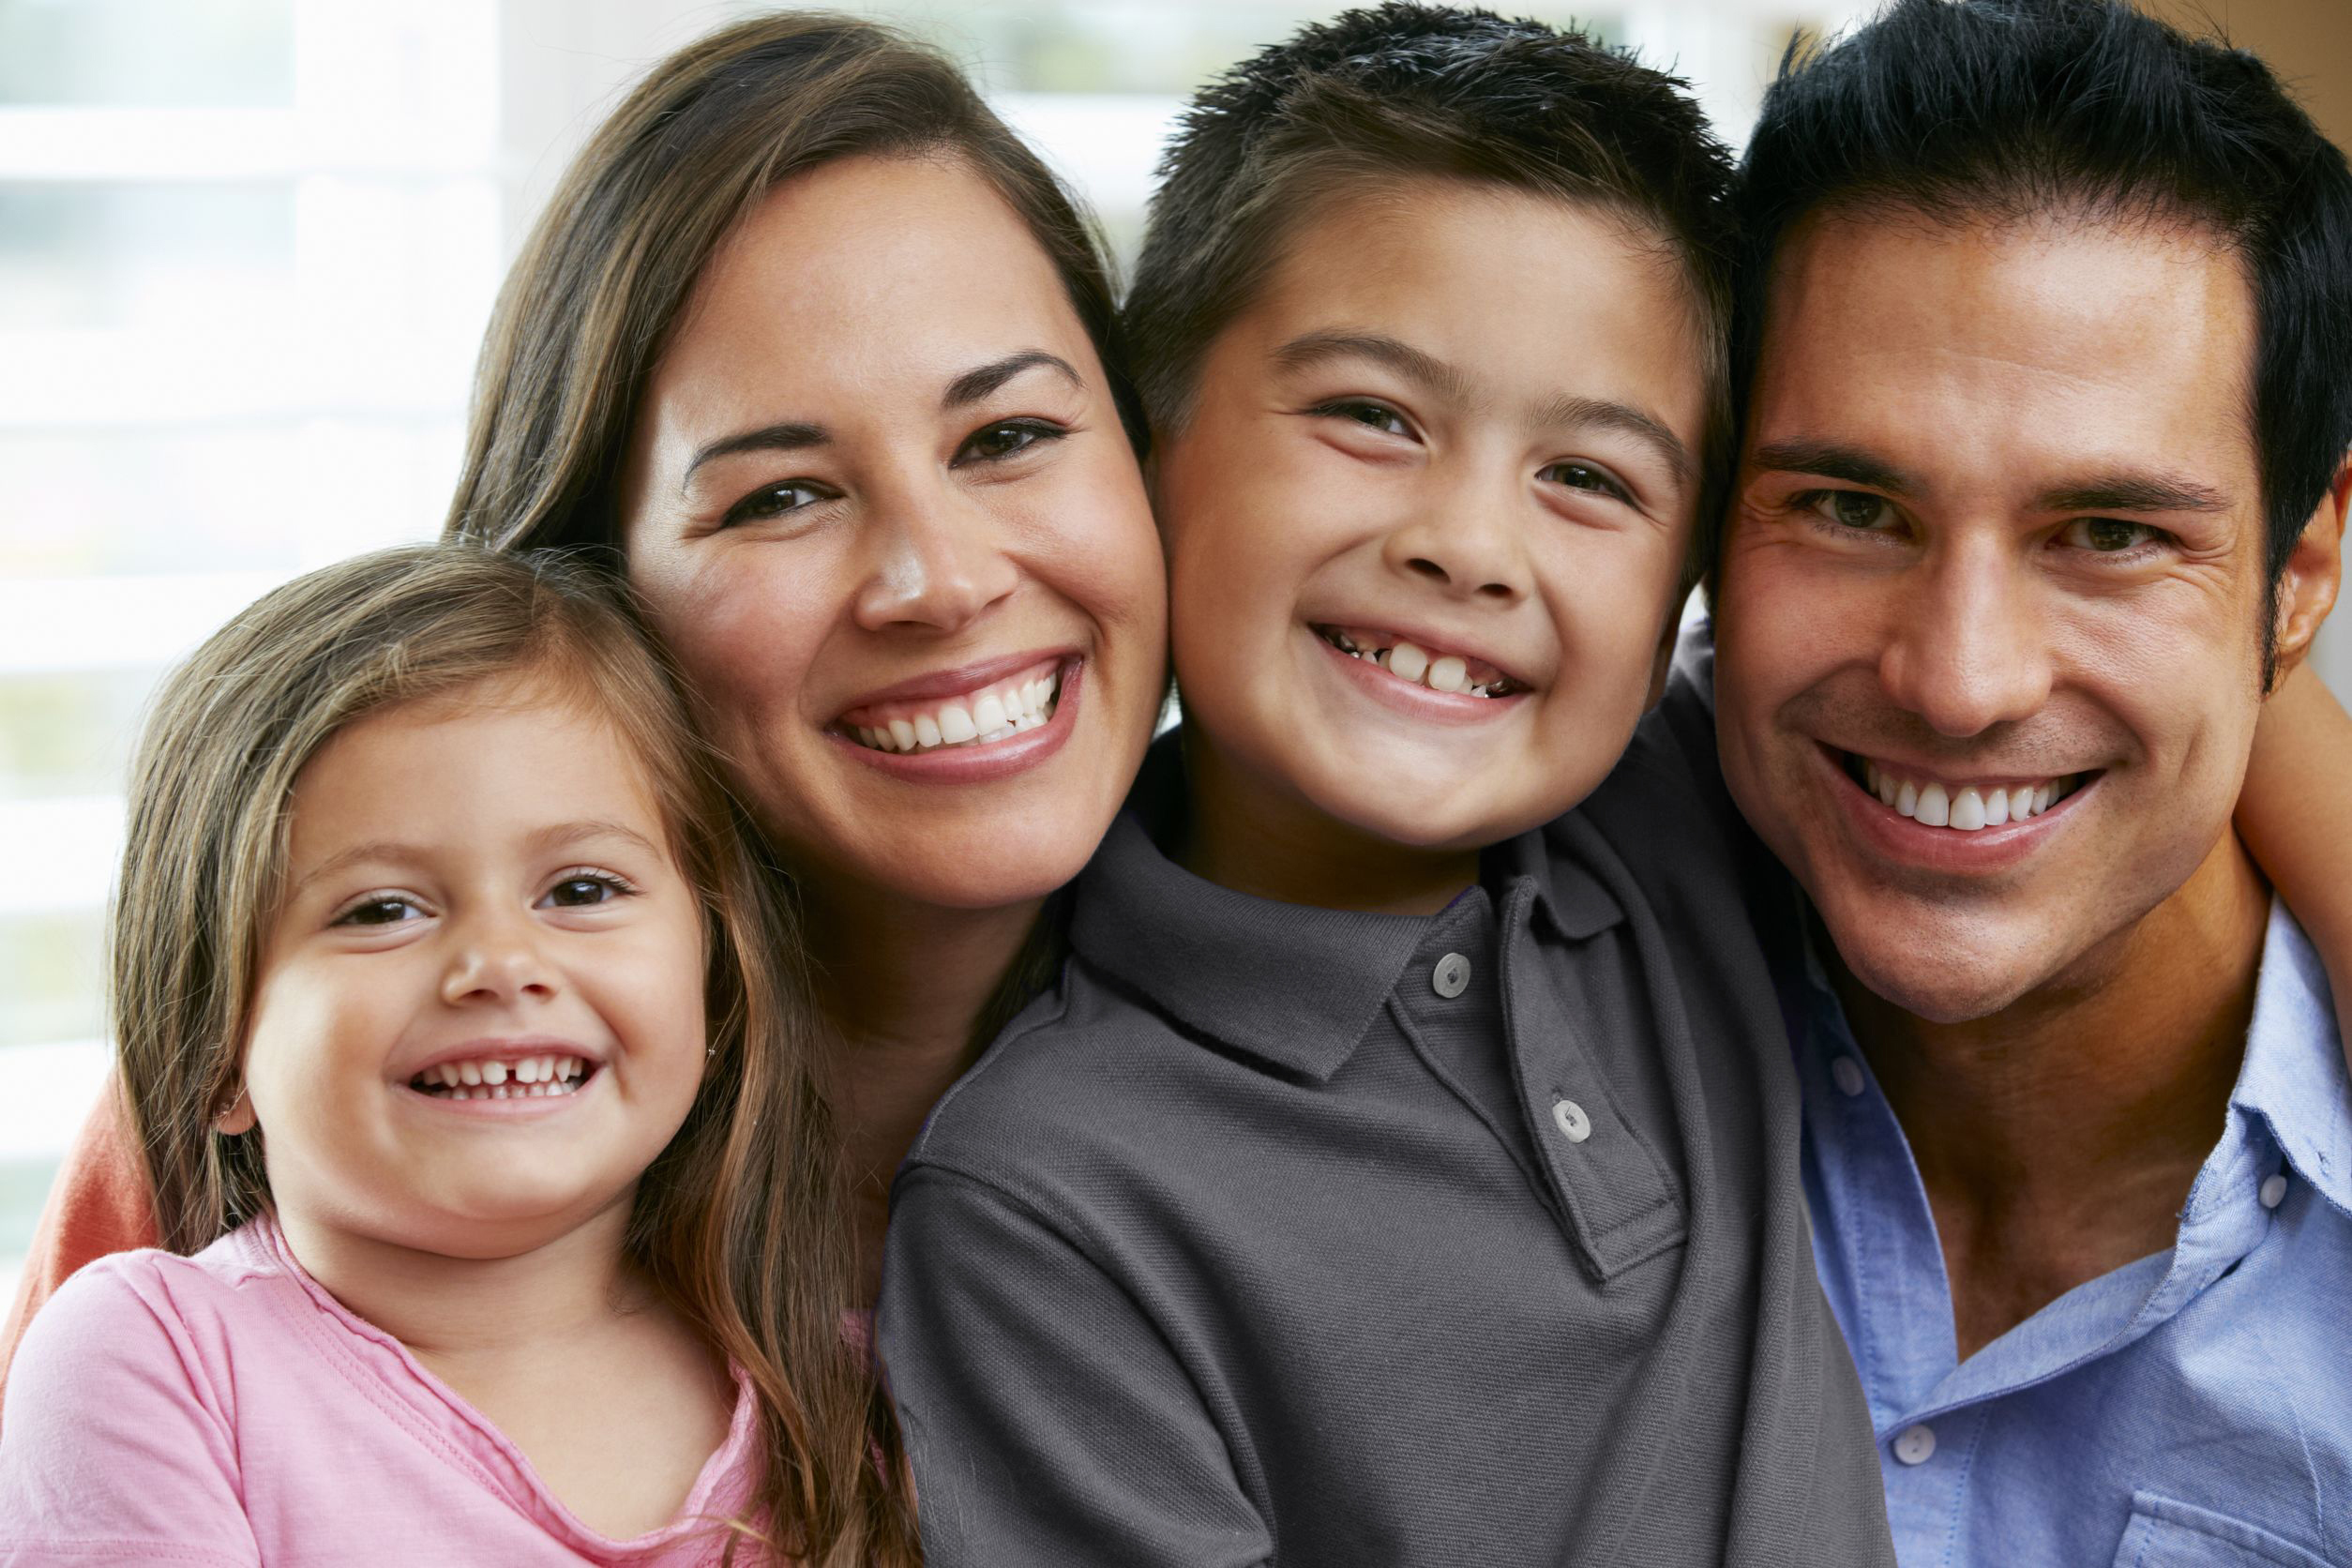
{"x": 497, "y": 958}
{"x": 1970, "y": 648}
{"x": 936, "y": 559}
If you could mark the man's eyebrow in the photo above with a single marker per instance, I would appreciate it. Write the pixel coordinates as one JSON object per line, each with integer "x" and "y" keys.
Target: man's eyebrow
{"x": 1424, "y": 369}
{"x": 974, "y": 384}
{"x": 1832, "y": 461}
{"x": 788, "y": 436}
{"x": 2133, "y": 492}
{"x": 1639, "y": 423}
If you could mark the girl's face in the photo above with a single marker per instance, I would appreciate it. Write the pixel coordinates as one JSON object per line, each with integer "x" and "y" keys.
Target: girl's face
{"x": 479, "y": 1011}
{"x": 880, "y": 506}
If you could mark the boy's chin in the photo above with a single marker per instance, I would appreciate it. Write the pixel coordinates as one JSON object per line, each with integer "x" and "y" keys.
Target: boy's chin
{"x": 1459, "y": 821}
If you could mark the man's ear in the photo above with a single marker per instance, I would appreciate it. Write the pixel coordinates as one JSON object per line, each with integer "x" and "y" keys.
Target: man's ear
{"x": 2307, "y": 589}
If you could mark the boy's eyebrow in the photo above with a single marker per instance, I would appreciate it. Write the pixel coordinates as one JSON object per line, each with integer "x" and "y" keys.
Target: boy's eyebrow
{"x": 1426, "y": 370}
{"x": 1639, "y": 423}
{"x": 974, "y": 384}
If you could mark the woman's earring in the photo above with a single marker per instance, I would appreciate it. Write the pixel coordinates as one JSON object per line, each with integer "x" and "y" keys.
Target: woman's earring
{"x": 234, "y": 1118}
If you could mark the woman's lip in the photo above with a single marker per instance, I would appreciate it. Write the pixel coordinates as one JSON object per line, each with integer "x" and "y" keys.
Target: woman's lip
{"x": 981, "y": 764}
{"x": 1417, "y": 701}
{"x": 942, "y": 683}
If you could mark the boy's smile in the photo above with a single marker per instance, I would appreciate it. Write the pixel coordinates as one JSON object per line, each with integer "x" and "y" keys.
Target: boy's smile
{"x": 1424, "y": 525}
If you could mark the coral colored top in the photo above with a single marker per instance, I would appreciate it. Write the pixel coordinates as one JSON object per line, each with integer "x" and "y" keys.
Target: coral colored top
{"x": 225, "y": 1410}
{"x": 98, "y": 1204}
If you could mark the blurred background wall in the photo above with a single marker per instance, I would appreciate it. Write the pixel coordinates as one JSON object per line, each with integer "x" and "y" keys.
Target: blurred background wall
{"x": 246, "y": 249}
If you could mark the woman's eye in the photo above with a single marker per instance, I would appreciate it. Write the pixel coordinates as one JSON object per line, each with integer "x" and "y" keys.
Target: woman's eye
{"x": 580, "y": 889}
{"x": 2108, "y": 536}
{"x": 379, "y": 909}
{"x": 1849, "y": 508}
{"x": 1583, "y": 476}
{"x": 775, "y": 502}
{"x": 1377, "y": 416}
{"x": 992, "y": 443}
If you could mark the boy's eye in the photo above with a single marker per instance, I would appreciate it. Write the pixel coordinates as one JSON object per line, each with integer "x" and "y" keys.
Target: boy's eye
{"x": 993, "y": 443}
{"x": 1583, "y": 476}
{"x": 774, "y": 501}
{"x": 2108, "y": 536}
{"x": 580, "y": 889}
{"x": 1377, "y": 416}
{"x": 379, "y": 909}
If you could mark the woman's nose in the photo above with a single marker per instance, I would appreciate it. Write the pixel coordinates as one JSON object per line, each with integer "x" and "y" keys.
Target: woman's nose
{"x": 938, "y": 562}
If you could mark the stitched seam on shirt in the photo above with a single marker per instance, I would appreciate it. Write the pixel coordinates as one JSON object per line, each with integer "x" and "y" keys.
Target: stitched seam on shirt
{"x": 1247, "y": 1468}
{"x": 1000, "y": 1046}
{"x": 151, "y": 1551}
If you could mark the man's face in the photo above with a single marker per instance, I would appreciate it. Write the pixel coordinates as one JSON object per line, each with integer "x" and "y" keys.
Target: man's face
{"x": 1993, "y": 592}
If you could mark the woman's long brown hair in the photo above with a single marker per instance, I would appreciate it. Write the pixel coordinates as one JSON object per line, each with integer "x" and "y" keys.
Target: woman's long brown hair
{"x": 742, "y": 1221}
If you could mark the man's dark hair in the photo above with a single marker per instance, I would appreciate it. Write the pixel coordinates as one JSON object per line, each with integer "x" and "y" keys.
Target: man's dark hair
{"x": 2005, "y": 110}
{"x": 1401, "y": 90}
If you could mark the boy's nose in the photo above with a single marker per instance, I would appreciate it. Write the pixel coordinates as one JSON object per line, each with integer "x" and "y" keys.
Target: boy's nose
{"x": 1468, "y": 552}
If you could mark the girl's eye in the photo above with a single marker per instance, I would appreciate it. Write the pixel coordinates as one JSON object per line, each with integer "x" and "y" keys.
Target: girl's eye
{"x": 994, "y": 443}
{"x": 2108, "y": 536}
{"x": 1377, "y": 416}
{"x": 379, "y": 909}
{"x": 581, "y": 889}
{"x": 1848, "y": 508}
{"x": 1583, "y": 476}
{"x": 775, "y": 502}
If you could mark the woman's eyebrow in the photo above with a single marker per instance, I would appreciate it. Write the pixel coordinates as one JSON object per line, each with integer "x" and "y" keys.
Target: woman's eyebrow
{"x": 790, "y": 436}
{"x": 974, "y": 384}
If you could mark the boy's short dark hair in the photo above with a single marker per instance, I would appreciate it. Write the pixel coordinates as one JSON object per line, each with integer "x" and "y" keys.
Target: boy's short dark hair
{"x": 2009, "y": 110}
{"x": 1404, "y": 90}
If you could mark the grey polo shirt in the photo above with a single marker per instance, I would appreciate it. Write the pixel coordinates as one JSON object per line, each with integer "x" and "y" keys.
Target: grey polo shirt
{"x": 1283, "y": 1234}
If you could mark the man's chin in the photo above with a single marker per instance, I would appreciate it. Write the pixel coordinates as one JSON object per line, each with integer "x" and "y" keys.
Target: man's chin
{"x": 1941, "y": 970}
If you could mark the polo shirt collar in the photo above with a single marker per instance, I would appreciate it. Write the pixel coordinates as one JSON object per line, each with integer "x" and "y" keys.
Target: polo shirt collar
{"x": 1294, "y": 985}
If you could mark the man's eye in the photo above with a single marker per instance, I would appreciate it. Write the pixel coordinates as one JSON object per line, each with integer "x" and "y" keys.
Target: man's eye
{"x": 774, "y": 501}
{"x": 1849, "y": 508}
{"x": 993, "y": 443}
{"x": 1377, "y": 416}
{"x": 379, "y": 909}
{"x": 1583, "y": 476}
{"x": 580, "y": 889}
{"x": 2108, "y": 536}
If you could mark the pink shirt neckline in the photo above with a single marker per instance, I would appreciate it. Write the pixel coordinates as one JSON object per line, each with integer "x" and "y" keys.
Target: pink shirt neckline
{"x": 720, "y": 1488}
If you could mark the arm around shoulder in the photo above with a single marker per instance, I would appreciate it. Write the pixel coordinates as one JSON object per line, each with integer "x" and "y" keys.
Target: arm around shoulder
{"x": 117, "y": 1449}
{"x": 2291, "y": 818}
{"x": 98, "y": 1204}
{"x": 1048, "y": 1421}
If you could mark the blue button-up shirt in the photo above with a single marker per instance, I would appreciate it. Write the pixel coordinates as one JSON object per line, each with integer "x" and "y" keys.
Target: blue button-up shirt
{"x": 2193, "y": 1408}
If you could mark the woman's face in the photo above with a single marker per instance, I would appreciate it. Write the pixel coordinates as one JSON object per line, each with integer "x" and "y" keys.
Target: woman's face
{"x": 879, "y": 505}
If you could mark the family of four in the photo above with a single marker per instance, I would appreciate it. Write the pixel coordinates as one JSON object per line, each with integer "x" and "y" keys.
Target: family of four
{"x": 694, "y": 1022}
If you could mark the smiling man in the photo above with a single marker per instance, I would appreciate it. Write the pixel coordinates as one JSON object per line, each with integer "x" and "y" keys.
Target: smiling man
{"x": 2042, "y": 494}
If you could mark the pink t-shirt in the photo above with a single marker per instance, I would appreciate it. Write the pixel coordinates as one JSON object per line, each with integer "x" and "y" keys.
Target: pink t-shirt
{"x": 224, "y": 1409}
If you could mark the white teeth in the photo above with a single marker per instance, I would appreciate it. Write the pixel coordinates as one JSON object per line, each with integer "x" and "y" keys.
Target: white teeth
{"x": 986, "y": 714}
{"x": 527, "y": 1070}
{"x": 494, "y": 1072}
{"x": 955, "y": 724}
{"x": 926, "y": 730}
{"x": 1965, "y": 808}
{"x": 995, "y": 714}
{"x": 1967, "y": 811}
{"x": 1997, "y": 808}
{"x": 1907, "y": 799}
{"x": 1449, "y": 674}
{"x": 1935, "y": 806}
{"x": 902, "y": 734}
{"x": 1408, "y": 663}
{"x": 470, "y": 1071}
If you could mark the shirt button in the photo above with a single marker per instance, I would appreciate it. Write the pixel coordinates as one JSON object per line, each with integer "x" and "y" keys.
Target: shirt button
{"x": 1915, "y": 1445}
{"x": 2274, "y": 1191}
{"x": 1571, "y": 1120}
{"x": 1848, "y": 1074}
{"x": 1451, "y": 978}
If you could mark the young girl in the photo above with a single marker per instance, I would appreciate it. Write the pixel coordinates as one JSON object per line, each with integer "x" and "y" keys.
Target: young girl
{"x": 502, "y": 1214}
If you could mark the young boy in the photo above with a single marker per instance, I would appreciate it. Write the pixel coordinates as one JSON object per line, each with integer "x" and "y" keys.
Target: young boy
{"x": 1383, "y": 1184}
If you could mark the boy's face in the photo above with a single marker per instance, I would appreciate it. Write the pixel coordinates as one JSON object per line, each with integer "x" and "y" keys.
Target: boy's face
{"x": 1451, "y": 448}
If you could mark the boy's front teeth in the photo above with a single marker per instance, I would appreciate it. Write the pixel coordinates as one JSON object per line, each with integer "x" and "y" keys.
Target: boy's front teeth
{"x": 1970, "y": 808}
{"x": 991, "y": 714}
{"x": 1407, "y": 661}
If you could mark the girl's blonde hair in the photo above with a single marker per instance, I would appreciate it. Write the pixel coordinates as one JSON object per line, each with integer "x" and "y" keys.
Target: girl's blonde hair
{"x": 740, "y": 1221}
